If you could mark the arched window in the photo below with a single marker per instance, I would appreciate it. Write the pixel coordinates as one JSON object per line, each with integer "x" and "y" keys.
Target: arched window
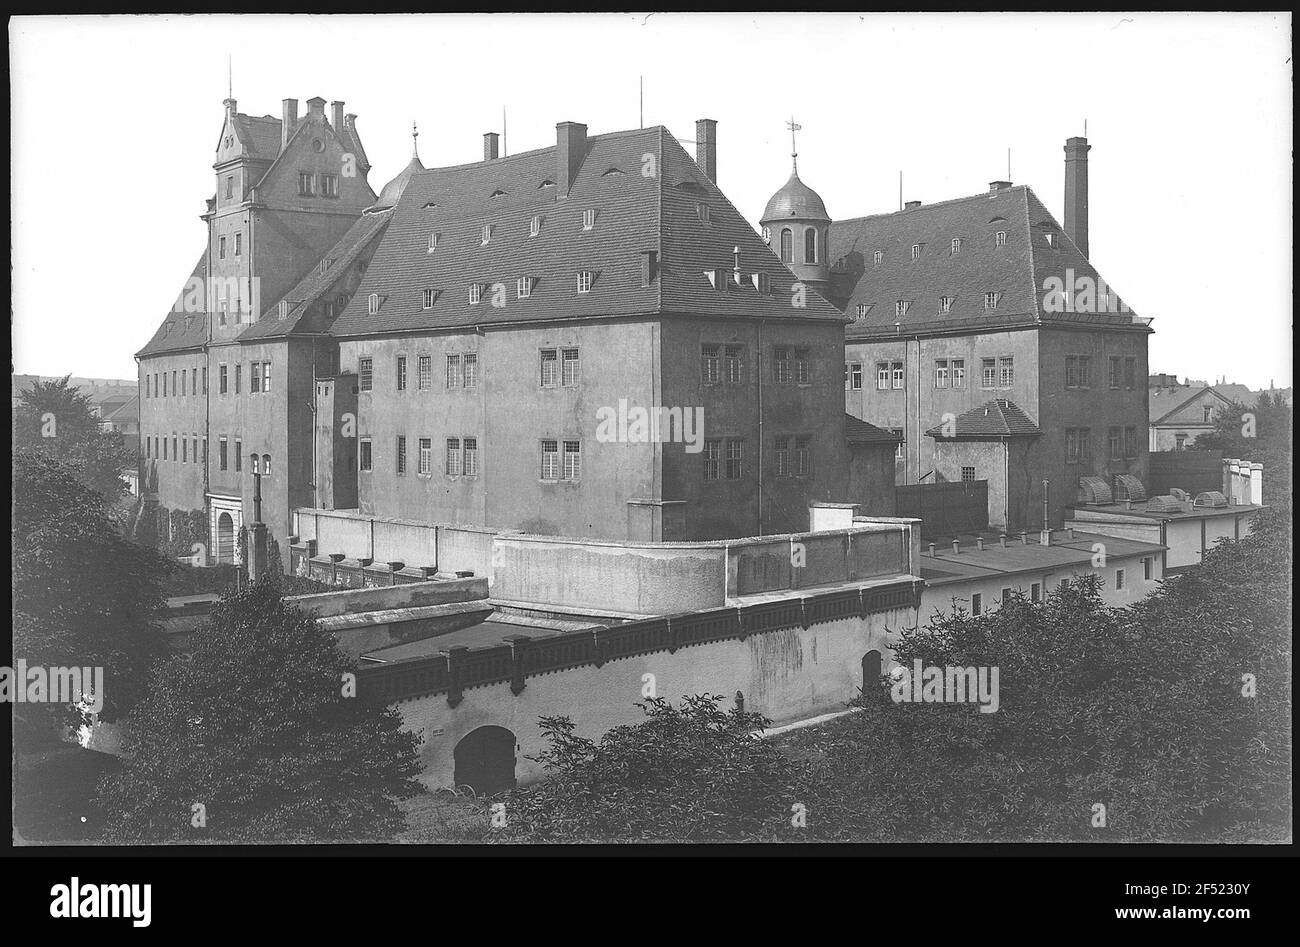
{"x": 787, "y": 246}
{"x": 256, "y": 466}
{"x": 810, "y": 245}
{"x": 266, "y": 465}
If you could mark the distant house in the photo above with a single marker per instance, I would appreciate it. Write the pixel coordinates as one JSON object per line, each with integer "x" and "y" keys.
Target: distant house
{"x": 1182, "y": 413}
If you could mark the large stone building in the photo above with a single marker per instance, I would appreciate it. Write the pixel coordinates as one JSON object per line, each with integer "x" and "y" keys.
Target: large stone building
{"x": 480, "y": 345}
{"x": 981, "y": 334}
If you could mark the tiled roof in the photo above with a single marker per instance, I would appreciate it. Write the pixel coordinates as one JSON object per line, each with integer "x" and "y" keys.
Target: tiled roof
{"x": 997, "y": 418}
{"x": 127, "y": 410}
{"x": 181, "y": 330}
{"x": 858, "y": 431}
{"x": 301, "y": 317}
{"x": 636, "y": 213}
{"x": 1036, "y": 248}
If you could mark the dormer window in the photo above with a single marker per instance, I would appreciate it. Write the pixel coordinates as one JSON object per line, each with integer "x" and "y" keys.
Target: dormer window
{"x": 916, "y": 251}
{"x": 1051, "y": 239}
{"x": 901, "y": 307}
{"x": 945, "y": 303}
{"x": 863, "y": 309}
{"x": 991, "y": 300}
{"x": 584, "y": 281}
{"x": 475, "y": 293}
{"x": 588, "y": 219}
{"x": 956, "y": 246}
{"x": 879, "y": 257}
{"x": 524, "y": 287}
{"x": 702, "y": 211}
{"x": 284, "y": 308}
{"x": 487, "y": 234}
{"x": 1000, "y": 238}
{"x": 433, "y": 241}
{"x": 535, "y": 226}
{"x": 372, "y": 304}
{"x": 324, "y": 266}
{"x": 763, "y": 283}
{"x": 427, "y": 299}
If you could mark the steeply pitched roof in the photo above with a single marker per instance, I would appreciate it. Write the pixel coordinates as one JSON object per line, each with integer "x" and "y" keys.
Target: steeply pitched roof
{"x": 646, "y": 193}
{"x": 858, "y": 431}
{"x": 997, "y": 418}
{"x": 181, "y": 330}
{"x": 1036, "y": 248}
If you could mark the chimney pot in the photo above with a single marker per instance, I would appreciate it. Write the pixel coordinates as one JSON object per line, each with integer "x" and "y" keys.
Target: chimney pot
{"x": 706, "y": 147}
{"x": 956, "y": 547}
{"x": 491, "y": 146}
{"x": 931, "y": 550}
{"x": 570, "y": 149}
{"x": 1076, "y": 191}
{"x": 979, "y": 543}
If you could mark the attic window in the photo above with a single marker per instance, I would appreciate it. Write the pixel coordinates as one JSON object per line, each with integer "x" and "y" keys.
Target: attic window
{"x": 763, "y": 283}
{"x": 991, "y": 300}
{"x": 901, "y": 307}
{"x": 879, "y": 257}
{"x": 610, "y": 171}
{"x": 284, "y": 308}
{"x": 863, "y": 309}
{"x": 1000, "y": 238}
{"x": 1050, "y": 238}
{"x": 433, "y": 241}
{"x": 427, "y": 301}
{"x": 535, "y": 226}
{"x": 524, "y": 287}
{"x": 585, "y": 279}
{"x": 588, "y": 219}
{"x": 487, "y": 234}
{"x": 475, "y": 293}
{"x": 956, "y": 246}
{"x": 945, "y": 303}
{"x": 916, "y": 251}
{"x": 372, "y": 304}
{"x": 702, "y": 211}
{"x": 324, "y": 265}
{"x": 547, "y": 183}
{"x": 498, "y": 193}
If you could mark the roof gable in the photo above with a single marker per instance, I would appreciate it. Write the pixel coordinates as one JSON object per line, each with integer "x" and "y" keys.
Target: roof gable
{"x": 998, "y": 418}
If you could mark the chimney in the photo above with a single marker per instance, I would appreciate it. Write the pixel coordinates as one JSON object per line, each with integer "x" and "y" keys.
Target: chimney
{"x": 706, "y": 147}
{"x": 911, "y": 205}
{"x": 491, "y": 146}
{"x": 316, "y": 107}
{"x": 337, "y": 122}
{"x": 570, "y": 149}
{"x": 288, "y": 119}
{"x": 1076, "y": 192}
{"x": 995, "y": 186}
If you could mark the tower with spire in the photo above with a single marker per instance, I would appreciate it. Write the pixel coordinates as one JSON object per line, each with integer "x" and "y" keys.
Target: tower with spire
{"x": 796, "y": 225}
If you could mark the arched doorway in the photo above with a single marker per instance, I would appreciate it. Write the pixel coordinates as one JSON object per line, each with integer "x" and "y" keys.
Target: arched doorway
{"x": 485, "y": 761}
{"x": 871, "y": 671}
{"x": 225, "y": 538}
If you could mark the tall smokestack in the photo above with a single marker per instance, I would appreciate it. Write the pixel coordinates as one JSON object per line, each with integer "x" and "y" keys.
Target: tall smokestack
{"x": 1076, "y": 191}
{"x": 570, "y": 149}
{"x": 706, "y": 147}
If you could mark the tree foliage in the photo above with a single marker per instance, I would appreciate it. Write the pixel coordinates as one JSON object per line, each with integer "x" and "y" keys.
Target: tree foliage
{"x": 56, "y": 419}
{"x": 1260, "y": 433}
{"x": 255, "y": 727}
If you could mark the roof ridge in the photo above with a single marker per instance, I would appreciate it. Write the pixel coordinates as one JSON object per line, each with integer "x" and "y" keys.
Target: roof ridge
{"x": 924, "y": 207}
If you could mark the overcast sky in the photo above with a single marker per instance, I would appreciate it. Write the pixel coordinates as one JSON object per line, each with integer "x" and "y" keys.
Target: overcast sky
{"x": 115, "y": 122}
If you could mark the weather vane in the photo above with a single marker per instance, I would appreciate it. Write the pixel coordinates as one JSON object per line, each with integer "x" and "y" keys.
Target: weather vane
{"x": 794, "y": 152}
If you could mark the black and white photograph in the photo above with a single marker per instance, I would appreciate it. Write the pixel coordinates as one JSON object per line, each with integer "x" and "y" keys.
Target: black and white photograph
{"x": 781, "y": 432}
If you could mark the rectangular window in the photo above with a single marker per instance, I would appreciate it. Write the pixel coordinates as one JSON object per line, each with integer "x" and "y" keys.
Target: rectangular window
{"x": 712, "y": 457}
{"x": 424, "y": 366}
{"x": 710, "y": 373}
{"x": 1006, "y": 372}
{"x": 487, "y": 234}
{"x": 941, "y": 373}
{"x": 453, "y": 371}
{"x": 365, "y": 373}
{"x": 735, "y": 459}
{"x": 1085, "y": 371}
{"x": 855, "y": 376}
{"x": 329, "y": 185}
{"x": 470, "y": 456}
{"x": 802, "y": 367}
{"x": 194, "y": 379}
{"x": 588, "y": 219}
{"x": 1119, "y": 579}
{"x": 401, "y": 454}
{"x": 1000, "y": 239}
{"x": 735, "y": 364}
{"x": 549, "y": 362}
{"x": 524, "y": 287}
{"x": 230, "y": 186}
{"x": 255, "y": 377}
{"x": 991, "y": 300}
{"x": 1115, "y": 371}
{"x": 1006, "y": 596}
{"x": 148, "y": 447}
{"x": 366, "y": 455}
{"x": 1071, "y": 371}
{"x": 781, "y": 371}
{"x": 401, "y": 373}
{"x": 781, "y": 452}
{"x": 584, "y": 281}
{"x": 569, "y": 368}
{"x": 956, "y": 245}
{"x": 1130, "y": 372}
{"x": 426, "y": 299}
{"x": 897, "y": 370}
{"x": 968, "y": 475}
{"x": 221, "y": 248}
{"x": 1130, "y": 442}
{"x": 572, "y": 460}
{"x": 550, "y": 460}
{"x": 185, "y": 451}
{"x": 1115, "y": 441}
{"x": 901, "y": 307}
{"x": 976, "y": 604}
{"x": 239, "y": 243}
{"x": 945, "y": 303}
{"x": 222, "y": 379}
{"x": 306, "y": 184}
{"x": 882, "y": 376}
{"x": 1148, "y": 568}
{"x": 183, "y": 383}
{"x": 1036, "y": 592}
{"x": 425, "y": 459}
{"x": 470, "y": 362}
{"x": 802, "y": 456}
{"x": 958, "y": 366}
{"x": 239, "y": 455}
{"x": 453, "y": 457}
{"x": 475, "y": 293}
{"x": 239, "y": 368}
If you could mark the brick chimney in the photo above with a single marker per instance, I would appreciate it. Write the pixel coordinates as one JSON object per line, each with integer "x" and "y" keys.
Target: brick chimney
{"x": 316, "y": 106}
{"x": 1076, "y": 192}
{"x": 570, "y": 149}
{"x": 706, "y": 147}
{"x": 288, "y": 119}
{"x": 491, "y": 146}
{"x": 337, "y": 121}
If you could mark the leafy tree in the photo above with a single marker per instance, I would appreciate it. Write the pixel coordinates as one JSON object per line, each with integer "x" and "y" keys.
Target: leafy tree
{"x": 83, "y": 594}
{"x": 254, "y": 726}
{"x": 58, "y": 420}
{"x": 693, "y": 772}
